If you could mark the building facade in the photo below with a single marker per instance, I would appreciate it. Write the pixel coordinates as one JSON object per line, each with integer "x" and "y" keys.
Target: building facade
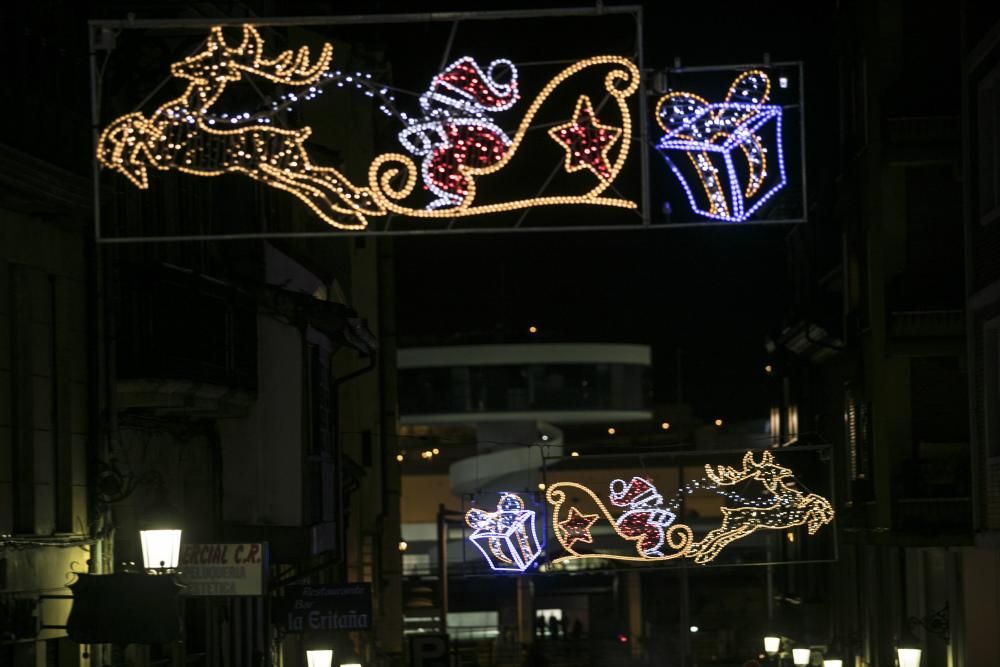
{"x": 980, "y": 118}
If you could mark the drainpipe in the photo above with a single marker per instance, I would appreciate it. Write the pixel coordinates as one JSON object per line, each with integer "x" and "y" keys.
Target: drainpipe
{"x": 338, "y": 454}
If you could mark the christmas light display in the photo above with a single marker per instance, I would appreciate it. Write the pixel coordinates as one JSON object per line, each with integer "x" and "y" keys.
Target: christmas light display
{"x": 708, "y": 135}
{"x": 789, "y": 507}
{"x": 455, "y": 131}
{"x": 181, "y": 134}
{"x": 506, "y": 537}
{"x": 453, "y": 176}
{"x": 649, "y": 521}
{"x": 456, "y": 137}
{"x": 644, "y": 516}
{"x": 650, "y": 532}
{"x": 586, "y": 141}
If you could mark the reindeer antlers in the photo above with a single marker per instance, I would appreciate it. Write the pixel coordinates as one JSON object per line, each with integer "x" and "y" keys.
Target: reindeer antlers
{"x": 729, "y": 475}
{"x": 295, "y": 69}
{"x": 289, "y": 67}
{"x": 725, "y": 475}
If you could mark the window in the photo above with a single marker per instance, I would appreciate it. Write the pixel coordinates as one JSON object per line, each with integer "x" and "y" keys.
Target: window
{"x": 416, "y": 563}
{"x": 991, "y": 402}
{"x": 988, "y": 146}
{"x": 474, "y": 624}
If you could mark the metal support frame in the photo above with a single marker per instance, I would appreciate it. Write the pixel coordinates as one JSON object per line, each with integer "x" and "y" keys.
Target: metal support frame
{"x": 643, "y": 140}
{"x": 96, "y": 27}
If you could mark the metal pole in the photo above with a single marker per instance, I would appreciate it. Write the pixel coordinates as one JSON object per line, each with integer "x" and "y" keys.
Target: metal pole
{"x": 685, "y": 593}
{"x": 422, "y": 232}
{"x": 367, "y": 19}
{"x": 442, "y": 535}
{"x": 643, "y": 123}
{"x": 802, "y": 140}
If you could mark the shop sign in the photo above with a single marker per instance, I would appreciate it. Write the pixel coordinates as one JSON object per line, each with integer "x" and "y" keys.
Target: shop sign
{"x": 325, "y": 607}
{"x": 223, "y": 569}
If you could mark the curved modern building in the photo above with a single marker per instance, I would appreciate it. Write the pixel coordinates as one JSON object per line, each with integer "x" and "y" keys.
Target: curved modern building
{"x": 515, "y": 396}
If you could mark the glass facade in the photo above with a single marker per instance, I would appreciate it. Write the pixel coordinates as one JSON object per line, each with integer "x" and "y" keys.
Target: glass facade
{"x": 524, "y": 388}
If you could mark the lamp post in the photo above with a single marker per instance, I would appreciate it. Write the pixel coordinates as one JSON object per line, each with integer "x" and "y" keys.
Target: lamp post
{"x": 322, "y": 657}
{"x": 160, "y": 535}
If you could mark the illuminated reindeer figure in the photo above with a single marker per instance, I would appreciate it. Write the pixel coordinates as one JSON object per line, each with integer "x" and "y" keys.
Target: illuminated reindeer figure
{"x": 182, "y": 134}
{"x": 790, "y": 507}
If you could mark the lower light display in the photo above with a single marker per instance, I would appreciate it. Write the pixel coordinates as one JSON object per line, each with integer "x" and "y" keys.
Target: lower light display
{"x": 636, "y": 524}
{"x": 507, "y": 538}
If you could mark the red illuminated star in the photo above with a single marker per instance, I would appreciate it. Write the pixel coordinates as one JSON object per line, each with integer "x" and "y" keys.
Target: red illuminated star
{"x": 586, "y": 141}
{"x": 577, "y": 527}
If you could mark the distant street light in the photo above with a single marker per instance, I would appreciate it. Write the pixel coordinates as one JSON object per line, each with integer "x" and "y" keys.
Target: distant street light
{"x": 403, "y": 545}
{"x": 611, "y": 430}
{"x": 694, "y": 628}
{"x": 833, "y": 662}
{"x": 718, "y": 422}
{"x": 772, "y": 644}
{"x": 665, "y": 426}
{"x": 801, "y": 656}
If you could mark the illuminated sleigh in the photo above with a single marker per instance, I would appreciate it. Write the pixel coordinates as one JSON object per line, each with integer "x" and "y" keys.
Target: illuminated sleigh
{"x": 571, "y": 526}
{"x": 605, "y": 161}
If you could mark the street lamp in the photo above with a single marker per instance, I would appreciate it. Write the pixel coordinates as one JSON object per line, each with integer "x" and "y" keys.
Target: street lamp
{"x": 909, "y": 656}
{"x": 801, "y": 656}
{"x": 772, "y": 644}
{"x": 908, "y": 650}
{"x": 833, "y": 662}
{"x": 160, "y": 536}
{"x": 319, "y": 657}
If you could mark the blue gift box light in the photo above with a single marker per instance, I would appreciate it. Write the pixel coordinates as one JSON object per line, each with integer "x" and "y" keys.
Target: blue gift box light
{"x": 701, "y": 143}
{"x": 507, "y": 537}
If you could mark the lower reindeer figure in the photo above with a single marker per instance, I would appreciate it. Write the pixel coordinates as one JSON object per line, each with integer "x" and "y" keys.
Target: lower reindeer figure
{"x": 790, "y": 507}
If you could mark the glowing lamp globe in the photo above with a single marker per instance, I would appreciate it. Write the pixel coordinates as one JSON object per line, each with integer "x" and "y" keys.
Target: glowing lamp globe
{"x": 319, "y": 657}
{"x": 161, "y": 549}
{"x": 908, "y": 657}
{"x": 772, "y": 644}
{"x": 160, "y": 535}
{"x": 800, "y": 656}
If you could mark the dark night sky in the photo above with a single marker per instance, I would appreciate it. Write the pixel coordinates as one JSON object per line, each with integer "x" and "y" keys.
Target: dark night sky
{"x": 713, "y": 292}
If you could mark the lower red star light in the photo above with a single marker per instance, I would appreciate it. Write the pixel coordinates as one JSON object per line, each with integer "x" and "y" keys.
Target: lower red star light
{"x": 586, "y": 141}
{"x": 577, "y": 527}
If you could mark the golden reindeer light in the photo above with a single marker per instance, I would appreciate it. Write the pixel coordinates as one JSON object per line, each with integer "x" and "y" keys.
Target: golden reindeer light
{"x": 790, "y": 507}
{"x": 184, "y": 135}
